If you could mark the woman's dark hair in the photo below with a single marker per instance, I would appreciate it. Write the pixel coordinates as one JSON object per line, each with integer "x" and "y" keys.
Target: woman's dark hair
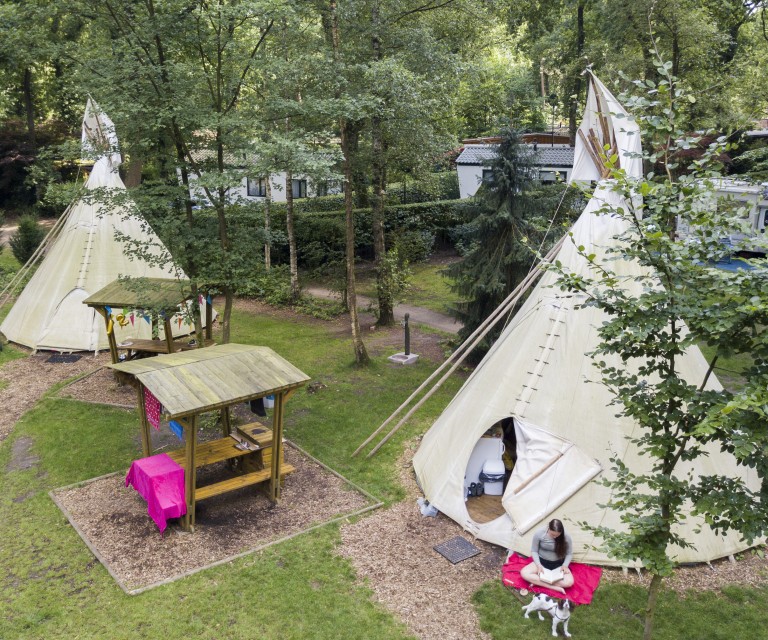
{"x": 561, "y": 546}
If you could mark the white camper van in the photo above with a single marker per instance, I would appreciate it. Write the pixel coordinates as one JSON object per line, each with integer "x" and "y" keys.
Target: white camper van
{"x": 747, "y": 200}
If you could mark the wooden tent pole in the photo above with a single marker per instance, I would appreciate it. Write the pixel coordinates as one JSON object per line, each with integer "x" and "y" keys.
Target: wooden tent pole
{"x": 500, "y": 310}
{"x": 484, "y": 329}
{"x": 41, "y": 248}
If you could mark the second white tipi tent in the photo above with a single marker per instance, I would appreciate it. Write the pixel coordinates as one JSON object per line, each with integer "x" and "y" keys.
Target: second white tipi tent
{"x": 538, "y": 376}
{"x": 85, "y": 254}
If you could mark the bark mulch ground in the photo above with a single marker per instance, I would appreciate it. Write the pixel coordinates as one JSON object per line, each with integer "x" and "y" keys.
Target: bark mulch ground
{"x": 113, "y": 520}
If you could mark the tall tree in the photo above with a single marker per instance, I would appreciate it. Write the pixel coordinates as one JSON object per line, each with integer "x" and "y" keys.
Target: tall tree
{"x": 188, "y": 64}
{"x": 515, "y": 220}
{"x": 346, "y": 127}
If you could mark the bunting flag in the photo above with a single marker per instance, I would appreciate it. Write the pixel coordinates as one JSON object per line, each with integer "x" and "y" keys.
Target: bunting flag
{"x": 208, "y": 299}
{"x": 177, "y": 429}
{"x": 108, "y": 309}
{"x": 147, "y": 319}
{"x": 132, "y": 318}
{"x": 200, "y": 299}
{"x": 180, "y": 321}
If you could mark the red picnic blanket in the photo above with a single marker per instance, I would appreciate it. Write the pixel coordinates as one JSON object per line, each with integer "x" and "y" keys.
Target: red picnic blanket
{"x": 585, "y": 580}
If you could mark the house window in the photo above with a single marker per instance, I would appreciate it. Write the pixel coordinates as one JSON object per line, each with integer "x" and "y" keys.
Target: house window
{"x": 299, "y": 188}
{"x": 487, "y": 176}
{"x": 329, "y": 188}
{"x": 257, "y": 187}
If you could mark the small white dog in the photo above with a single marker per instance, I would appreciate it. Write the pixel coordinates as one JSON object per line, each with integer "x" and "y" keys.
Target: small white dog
{"x": 560, "y": 610}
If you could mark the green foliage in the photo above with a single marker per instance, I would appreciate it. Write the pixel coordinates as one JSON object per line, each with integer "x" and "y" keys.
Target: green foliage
{"x": 58, "y": 196}
{"x": 392, "y": 277}
{"x": 434, "y": 186}
{"x": 752, "y": 163}
{"x": 413, "y": 245}
{"x": 321, "y": 240}
{"x": 27, "y": 238}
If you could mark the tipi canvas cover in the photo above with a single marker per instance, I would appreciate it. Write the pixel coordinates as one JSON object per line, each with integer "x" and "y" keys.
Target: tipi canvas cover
{"x": 538, "y": 373}
{"x": 85, "y": 256}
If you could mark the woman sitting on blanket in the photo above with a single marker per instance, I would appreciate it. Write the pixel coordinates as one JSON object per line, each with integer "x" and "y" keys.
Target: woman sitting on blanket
{"x": 551, "y": 548}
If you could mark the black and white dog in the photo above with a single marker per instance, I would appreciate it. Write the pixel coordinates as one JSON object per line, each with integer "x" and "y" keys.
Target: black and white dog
{"x": 560, "y": 610}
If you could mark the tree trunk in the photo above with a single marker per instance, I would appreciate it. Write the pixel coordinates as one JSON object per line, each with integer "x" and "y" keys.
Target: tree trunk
{"x": 385, "y": 302}
{"x": 29, "y": 109}
{"x": 221, "y": 212}
{"x": 133, "y": 173}
{"x": 650, "y": 607}
{"x": 361, "y": 355}
{"x": 573, "y": 111}
{"x": 267, "y": 221}
{"x": 291, "y": 236}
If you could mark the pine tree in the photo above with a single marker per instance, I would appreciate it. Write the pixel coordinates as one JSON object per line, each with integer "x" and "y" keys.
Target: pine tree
{"x": 517, "y": 217}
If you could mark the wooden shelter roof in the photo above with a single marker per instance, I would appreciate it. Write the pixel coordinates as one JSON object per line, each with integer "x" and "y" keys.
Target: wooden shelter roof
{"x": 144, "y": 293}
{"x": 191, "y": 382}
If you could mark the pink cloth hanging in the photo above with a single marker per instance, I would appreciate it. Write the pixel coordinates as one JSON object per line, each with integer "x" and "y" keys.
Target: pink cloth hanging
{"x": 153, "y": 408}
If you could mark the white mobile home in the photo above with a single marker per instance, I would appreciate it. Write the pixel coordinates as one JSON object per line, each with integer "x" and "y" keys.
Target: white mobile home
{"x": 749, "y": 202}
{"x": 553, "y": 162}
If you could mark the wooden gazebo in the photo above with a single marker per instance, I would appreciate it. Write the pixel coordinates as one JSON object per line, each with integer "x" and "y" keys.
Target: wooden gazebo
{"x": 163, "y": 296}
{"x": 189, "y": 383}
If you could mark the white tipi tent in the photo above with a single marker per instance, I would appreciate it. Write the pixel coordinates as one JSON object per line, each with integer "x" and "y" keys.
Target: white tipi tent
{"x": 538, "y": 375}
{"x": 85, "y": 255}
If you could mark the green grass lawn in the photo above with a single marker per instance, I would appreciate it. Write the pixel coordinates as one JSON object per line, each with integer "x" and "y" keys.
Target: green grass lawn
{"x": 429, "y": 287}
{"x": 51, "y": 587}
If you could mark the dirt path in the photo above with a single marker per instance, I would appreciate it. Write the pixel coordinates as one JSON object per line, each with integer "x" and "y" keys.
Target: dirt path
{"x": 416, "y": 314}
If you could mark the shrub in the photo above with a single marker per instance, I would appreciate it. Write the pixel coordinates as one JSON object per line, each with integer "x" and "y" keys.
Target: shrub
{"x": 433, "y": 187}
{"x": 27, "y": 238}
{"x": 414, "y": 245}
{"x": 58, "y": 196}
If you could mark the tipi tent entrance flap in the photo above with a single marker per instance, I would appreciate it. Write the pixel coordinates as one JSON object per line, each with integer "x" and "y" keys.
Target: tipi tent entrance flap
{"x": 548, "y": 471}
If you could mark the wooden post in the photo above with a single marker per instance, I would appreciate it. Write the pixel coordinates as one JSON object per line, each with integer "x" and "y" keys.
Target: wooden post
{"x": 208, "y": 319}
{"x": 226, "y": 422}
{"x": 168, "y": 333}
{"x": 277, "y": 447}
{"x": 146, "y": 438}
{"x": 190, "y": 472}
{"x": 110, "y": 335}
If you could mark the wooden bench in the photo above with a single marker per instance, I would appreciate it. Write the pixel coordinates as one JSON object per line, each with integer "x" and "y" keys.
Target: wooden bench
{"x": 238, "y": 482}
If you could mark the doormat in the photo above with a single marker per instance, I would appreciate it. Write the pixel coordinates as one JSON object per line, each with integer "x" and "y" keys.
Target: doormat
{"x": 64, "y": 357}
{"x": 457, "y": 549}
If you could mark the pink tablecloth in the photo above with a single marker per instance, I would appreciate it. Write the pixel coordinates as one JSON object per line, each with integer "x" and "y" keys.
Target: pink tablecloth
{"x": 160, "y": 481}
{"x": 585, "y": 580}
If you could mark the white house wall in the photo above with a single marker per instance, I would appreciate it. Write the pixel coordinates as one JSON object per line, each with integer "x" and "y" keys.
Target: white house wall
{"x": 470, "y": 177}
{"x": 240, "y": 193}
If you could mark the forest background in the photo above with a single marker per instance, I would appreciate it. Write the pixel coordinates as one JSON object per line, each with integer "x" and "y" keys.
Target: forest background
{"x": 371, "y": 96}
